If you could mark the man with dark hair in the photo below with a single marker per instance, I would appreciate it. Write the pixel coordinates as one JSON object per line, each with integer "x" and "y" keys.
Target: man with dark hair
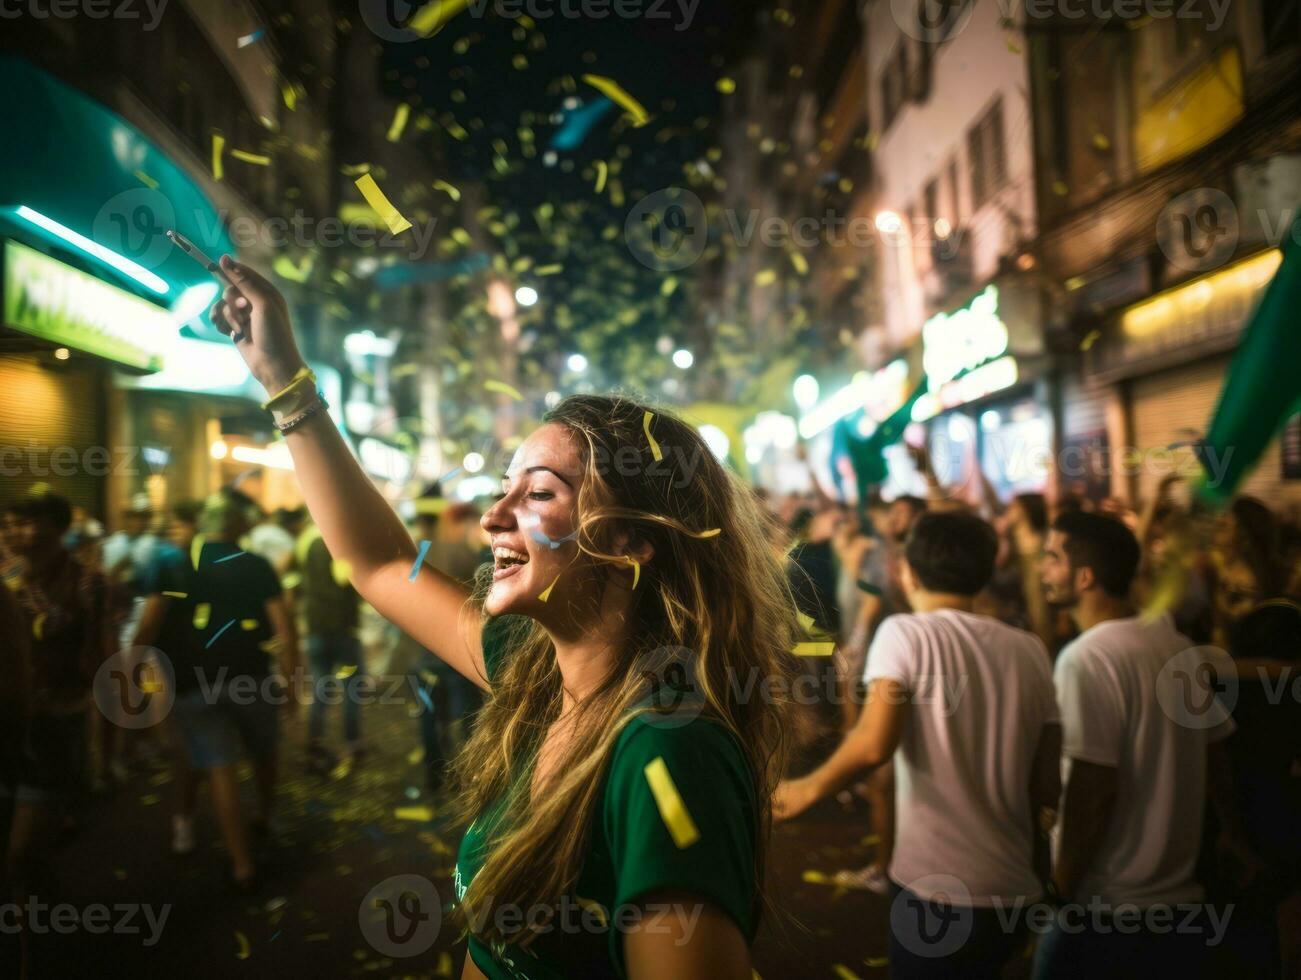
{"x": 968, "y": 703}
{"x": 1141, "y": 747}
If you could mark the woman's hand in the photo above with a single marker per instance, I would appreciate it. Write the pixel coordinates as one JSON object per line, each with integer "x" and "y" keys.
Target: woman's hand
{"x": 259, "y": 312}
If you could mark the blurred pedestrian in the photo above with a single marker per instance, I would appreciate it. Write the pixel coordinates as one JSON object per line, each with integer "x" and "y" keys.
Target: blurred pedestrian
{"x": 222, "y": 612}
{"x": 1139, "y": 773}
{"x": 967, "y": 702}
{"x": 331, "y": 612}
{"x": 67, "y": 625}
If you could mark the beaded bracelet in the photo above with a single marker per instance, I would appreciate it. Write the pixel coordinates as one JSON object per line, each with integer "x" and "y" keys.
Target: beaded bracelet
{"x": 288, "y": 425}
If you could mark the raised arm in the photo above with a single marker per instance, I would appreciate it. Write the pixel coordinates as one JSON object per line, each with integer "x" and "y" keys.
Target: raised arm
{"x": 357, "y": 523}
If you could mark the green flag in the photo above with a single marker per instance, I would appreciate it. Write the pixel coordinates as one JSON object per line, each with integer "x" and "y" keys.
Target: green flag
{"x": 866, "y": 454}
{"x": 1263, "y": 387}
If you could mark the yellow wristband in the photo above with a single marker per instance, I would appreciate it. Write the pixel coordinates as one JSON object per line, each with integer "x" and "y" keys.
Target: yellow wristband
{"x": 304, "y": 374}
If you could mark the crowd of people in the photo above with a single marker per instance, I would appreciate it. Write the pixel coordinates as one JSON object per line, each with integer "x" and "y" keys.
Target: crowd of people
{"x": 979, "y": 644}
{"x": 1064, "y": 703}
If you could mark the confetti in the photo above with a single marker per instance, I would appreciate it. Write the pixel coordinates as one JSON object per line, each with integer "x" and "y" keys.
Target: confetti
{"x": 248, "y": 624}
{"x": 201, "y": 613}
{"x": 38, "y": 626}
{"x": 548, "y": 270}
{"x": 636, "y": 570}
{"x": 616, "y": 93}
{"x": 145, "y": 179}
{"x": 593, "y": 906}
{"x": 876, "y": 962}
{"x": 415, "y": 756}
{"x": 654, "y": 446}
{"x": 546, "y": 593}
{"x": 844, "y": 972}
{"x": 382, "y": 205}
{"x": 433, "y": 18}
{"x": 504, "y": 388}
{"x": 208, "y": 645}
{"x": 177, "y": 595}
{"x": 448, "y": 189}
{"x": 673, "y": 811}
{"x": 424, "y": 814}
{"x": 420, "y": 558}
{"x": 444, "y": 968}
{"x": 602, "y": 172}
{"x": 400, "y": 115}
{"x": 149, "y": 799}
{"x": 229, "y": 557}
{"x": 254, "y": 158}
{"x": 813, "y": 649}
{"x": 196, "y": 551}
{"x": 244, "y": 949}
{"x": 253, "y": 38}
{"x": 346, "y": 671}
{"x": 218, "y": 144}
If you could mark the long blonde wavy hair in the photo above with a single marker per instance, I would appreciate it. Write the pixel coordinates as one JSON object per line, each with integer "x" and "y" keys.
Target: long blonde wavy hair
{"x": 723, "y": 598}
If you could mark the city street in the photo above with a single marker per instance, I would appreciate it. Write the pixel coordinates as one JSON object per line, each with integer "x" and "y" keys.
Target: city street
{"x": 334, "y": 841}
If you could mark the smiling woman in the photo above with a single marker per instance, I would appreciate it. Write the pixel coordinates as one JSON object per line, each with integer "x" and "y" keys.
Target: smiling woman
{"x": 608, "y": 585}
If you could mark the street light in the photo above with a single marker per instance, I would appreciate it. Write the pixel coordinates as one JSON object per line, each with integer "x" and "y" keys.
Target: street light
{"x": 683, "y": 358}
{"x": 577, "y": 363}
{"x": 473, "y": 462}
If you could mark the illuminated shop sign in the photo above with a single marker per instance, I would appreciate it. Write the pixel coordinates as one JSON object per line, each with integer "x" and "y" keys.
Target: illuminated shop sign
{"x": 965, "y": 356}
{"x": 48, "y": 299}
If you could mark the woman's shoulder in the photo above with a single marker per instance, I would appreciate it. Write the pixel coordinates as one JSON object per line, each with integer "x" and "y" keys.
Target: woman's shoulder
{"x": 701, "y": 745}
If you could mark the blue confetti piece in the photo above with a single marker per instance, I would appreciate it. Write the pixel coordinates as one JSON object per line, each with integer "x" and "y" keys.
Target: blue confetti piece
{"x": 449, "y": 474}
{"x": 229, "y": 557}
{"x": 424, "y": 696}
{"x": 420, "y": 560}
{"x": 541, "y": 538}
{"x": 209, "y": 644}
{"x": 275, "y": 937}
{"x": 253, "y": 38}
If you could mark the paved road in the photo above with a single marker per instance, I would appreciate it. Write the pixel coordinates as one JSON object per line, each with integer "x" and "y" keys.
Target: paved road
{"x": 337, "y": 839}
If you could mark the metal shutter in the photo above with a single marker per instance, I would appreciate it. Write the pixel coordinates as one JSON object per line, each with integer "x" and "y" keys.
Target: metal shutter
{"x": 43, "y": 409}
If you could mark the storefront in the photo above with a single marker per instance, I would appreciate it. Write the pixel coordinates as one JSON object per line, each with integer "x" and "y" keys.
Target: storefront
{"x": 1165, "y": 360}
{"x": 985, "y": 405}
{"x": 64, "y": 331}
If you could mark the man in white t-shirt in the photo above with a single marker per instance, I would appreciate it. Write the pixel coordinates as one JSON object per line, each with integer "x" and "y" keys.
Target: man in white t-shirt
{"x": 968, "y": 703}
{"x": 1140, "y": 723}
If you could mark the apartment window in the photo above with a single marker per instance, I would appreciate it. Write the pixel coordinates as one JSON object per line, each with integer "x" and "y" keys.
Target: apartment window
{"x": 894, "y": 85}
{"x": 986, "y": 155}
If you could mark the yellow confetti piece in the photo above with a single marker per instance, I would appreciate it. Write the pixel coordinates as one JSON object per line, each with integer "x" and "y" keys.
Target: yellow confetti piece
{"x": 248, "y": 624}
{"x": 346, "y": 671}
{"x": 765, "y": 277}
{"x": 176, "y": 595}
{"x": 201, "y": 613}
{"x": 145, "y": 179}
{"x": 355, "y": 169}
{"x": 548, "y": 270}
{"x": 415, "y": 756}
{"x": 38, "y": 626}
{"x": 448, "y": 189}
{"x": 616, "y": 93}
{"x": 636, "y": 570}
{"x": 813, "y": 649}
{"x": 602, "y": 172}
{"x": 800, "y": 263}
{"x": 399, "y": 123}
{"x": 149, "y": 799}
{"x": 817, "y": 878}
{"x": 196, "y": 550}
{"x": 444, "y": 968}
{"x": 434, "y": 17}
{"x": 876, "y": 962}
{"x": 503, "y": 388}
{"x": 382, "y": 205}
{"x": 421, "y": 813}
{"x": 290, "y": 92}
{"x": 654, "y": 446}
{"x": 870, "y": 839}
{"x": 256, "y": 159}
{"x": 546, "y": 593}
{"x": 844, "y": 972}
{"x": 245, "y": 950}
{"x": 595, "y": 907}
{"x": 673, "y": 811}
{"x": 725, "y": 85}
{"x": 218, "y": 144}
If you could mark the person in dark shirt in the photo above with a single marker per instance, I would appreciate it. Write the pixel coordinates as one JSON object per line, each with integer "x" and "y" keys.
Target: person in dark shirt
{"x": 65, "y": 616}
{"x": 812, "y": 569}
{"x": 216, "y": 616}
{"x": 331, "y": 610}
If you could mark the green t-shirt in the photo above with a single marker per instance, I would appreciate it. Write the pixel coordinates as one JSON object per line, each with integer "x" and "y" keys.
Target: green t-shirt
{"x": 693, "y": 777}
